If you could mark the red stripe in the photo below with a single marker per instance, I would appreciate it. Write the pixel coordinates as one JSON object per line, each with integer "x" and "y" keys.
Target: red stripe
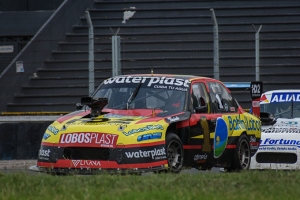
{"x": 192, "y": 146}
{"x": 254, "y": 143}
{"x": 48, "y": 144}
{"x": 104, "y": 165}
{"x": 69, "y": 116}
{"x": 231, "y": 146}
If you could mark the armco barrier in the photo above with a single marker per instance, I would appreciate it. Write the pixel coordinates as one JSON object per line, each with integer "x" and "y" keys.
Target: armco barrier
{"x": 20, "y": 137}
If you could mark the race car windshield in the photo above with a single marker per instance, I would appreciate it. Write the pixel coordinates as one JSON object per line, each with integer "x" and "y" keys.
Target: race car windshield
{"x": 144, "y": 93}
{"x": 282, "y": 109}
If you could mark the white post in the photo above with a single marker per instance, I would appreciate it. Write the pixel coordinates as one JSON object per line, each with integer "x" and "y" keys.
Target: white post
{"x": 116, "y": 55}
{"x": 257, "y": 54}
{"x": 91, "y": 54}
{"x": 216, "y": 45}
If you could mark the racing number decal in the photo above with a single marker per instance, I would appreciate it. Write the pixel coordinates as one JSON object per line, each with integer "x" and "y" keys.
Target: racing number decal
{"x": 206, "y": 136}
{"x": 256, "y": 89}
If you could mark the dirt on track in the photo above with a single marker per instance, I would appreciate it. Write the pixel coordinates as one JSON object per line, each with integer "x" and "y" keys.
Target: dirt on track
{"x": 16, "y": 164}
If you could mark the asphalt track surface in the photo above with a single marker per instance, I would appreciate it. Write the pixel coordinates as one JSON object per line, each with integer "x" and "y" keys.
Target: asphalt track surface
{"x": 20, "y": 166}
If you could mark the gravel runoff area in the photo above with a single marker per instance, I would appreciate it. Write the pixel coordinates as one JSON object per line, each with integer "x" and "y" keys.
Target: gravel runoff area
{"x": 16, "y": 164}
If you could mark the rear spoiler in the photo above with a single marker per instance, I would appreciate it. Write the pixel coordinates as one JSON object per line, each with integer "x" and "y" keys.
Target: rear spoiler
{"x": 256, "y": 89}
{"x": 237, "y": 85}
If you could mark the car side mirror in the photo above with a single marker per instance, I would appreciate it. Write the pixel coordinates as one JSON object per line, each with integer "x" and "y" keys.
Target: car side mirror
{"x": 79, "y": 106}
{"x": 267, "y": 118}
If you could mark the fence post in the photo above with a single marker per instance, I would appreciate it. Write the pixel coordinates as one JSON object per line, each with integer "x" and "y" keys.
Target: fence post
{"x": 216, "y": 45}
{"x": 116, "y": 55}
{"x": 91, "y": 54}
{"x": 257, "y": 73}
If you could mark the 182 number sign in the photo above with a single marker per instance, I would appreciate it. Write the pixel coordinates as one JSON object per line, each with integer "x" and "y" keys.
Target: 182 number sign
{"x": 256, "y": 89}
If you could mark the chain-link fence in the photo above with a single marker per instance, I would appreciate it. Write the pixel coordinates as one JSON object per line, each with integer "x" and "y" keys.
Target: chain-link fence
{"x": 57, "y": 62}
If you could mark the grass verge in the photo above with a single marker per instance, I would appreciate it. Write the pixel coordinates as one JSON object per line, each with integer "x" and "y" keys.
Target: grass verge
{"x": 244, "y": 185}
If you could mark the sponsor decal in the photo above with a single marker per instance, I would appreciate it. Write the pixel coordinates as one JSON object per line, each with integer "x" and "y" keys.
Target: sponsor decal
{"x": 255, "y": 104}
{"x": 237, "y": 123}
{"x": 176, "y": 105}
{"x": 143, "y": 129}
{"x": 200, "y": 157}
{"x": 232, "y": 109}
{"x": 97, "y": 139}
{"x": 220, "y": 138}
{"x": 285, "y": 97}
{"x": 6, "y": 49}
{"x": 253, "y": 147}
{"x": 154, "y": 154}
{"x": 86, "y": 163}
{"x": 252, "y": 139}
{"x": 272, "y": 148}
{"x": 46, "y": 136}
{"x": 289, "y": 122}
{"x": 226, "y": 106}
{"x": 173, "y": 119}
{"x": 157, "y": 81}
{"x": 280, "y": 142}
{"x": 44, "y": 154}
{"x": 264, "y": 99}
{"x": 53, "y": 130}
{"x": 281, "y": 130}
{"x": 183, "y": 89}
{"x": 149, "y": 136}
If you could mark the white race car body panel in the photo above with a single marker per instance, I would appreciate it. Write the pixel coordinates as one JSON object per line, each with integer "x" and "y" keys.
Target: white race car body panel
{"x": 280, "y": 143}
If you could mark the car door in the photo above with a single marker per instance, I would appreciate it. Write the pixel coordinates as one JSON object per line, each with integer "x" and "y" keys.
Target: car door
{"x": 219, "y": 103}
{"x": 202, "y": 124}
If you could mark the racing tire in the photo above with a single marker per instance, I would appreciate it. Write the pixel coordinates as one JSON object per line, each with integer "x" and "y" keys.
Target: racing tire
{"x": 175, "y": 154}
{"x": 242, "y": 155}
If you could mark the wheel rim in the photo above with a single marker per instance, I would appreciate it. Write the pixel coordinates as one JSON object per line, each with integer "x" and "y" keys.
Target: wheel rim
{"x": 244, "y": 154}
{"x": 174, "y": 155}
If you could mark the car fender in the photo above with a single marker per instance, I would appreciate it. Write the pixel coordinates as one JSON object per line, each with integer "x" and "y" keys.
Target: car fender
{"x": 178, "y": 117}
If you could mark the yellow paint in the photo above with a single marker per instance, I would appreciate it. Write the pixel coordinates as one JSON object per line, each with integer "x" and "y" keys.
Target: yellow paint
{"x": 125, "y": 127}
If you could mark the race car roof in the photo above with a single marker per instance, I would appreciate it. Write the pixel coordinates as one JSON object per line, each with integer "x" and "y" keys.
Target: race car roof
{"x": 188, "y": 77}
{"x": 280, "y": 96}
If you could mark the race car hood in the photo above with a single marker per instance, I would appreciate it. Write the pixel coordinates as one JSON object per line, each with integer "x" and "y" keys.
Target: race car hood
{"x": 110, "y": 128}
{"x": 283, "y": 125}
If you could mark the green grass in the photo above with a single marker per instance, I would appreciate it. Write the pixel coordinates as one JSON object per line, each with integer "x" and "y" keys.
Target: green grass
{"x": 256, "y": 185}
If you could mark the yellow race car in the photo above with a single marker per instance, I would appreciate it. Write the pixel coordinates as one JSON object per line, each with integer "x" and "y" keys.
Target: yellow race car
{"x": 152, "y": 122}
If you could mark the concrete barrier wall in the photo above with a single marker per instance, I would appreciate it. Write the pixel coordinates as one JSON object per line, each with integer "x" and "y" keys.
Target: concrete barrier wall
{"x": 21, "y": 140}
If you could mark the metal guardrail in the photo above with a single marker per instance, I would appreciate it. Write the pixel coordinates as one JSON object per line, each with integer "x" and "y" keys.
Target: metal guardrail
{"x": 32, "y": 113}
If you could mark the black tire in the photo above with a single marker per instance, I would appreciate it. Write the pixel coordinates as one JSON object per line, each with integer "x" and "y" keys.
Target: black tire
{"x": 174, "y": 151}
{"x": 242, "y": 155}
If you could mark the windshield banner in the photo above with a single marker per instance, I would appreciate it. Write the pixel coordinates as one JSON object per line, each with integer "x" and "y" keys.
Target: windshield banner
{"x": 150, "y": 81}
